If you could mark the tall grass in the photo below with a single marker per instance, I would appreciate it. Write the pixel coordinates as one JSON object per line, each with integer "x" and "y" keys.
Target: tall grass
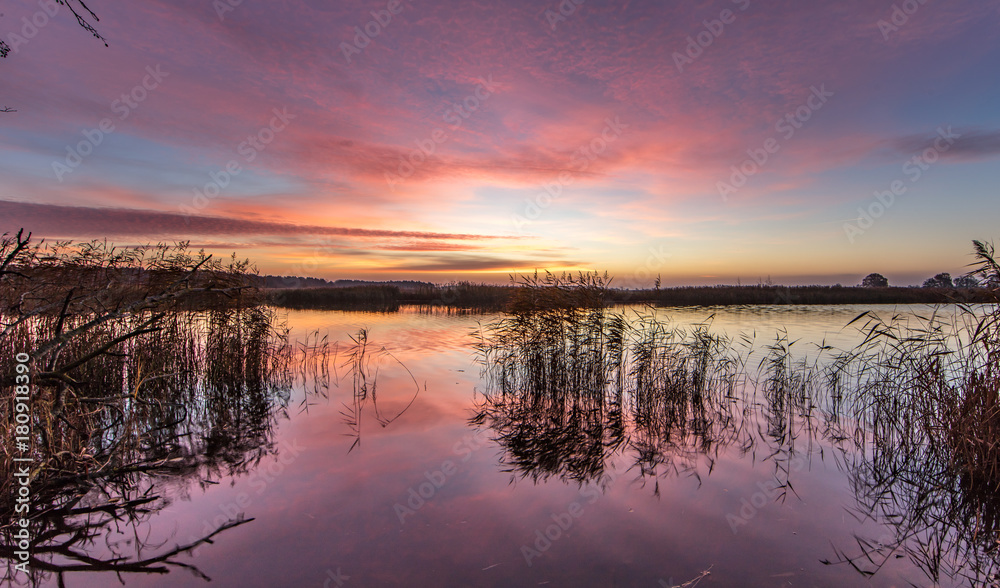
{"x": 197, "y": 399}
{"x": 548, "y": 371}
{"x": 570, "y": 381}
{"x": 118, "y": 358}
{"x": 150, "y": 367}
{"x": 926, "y": 398}
{"x": 143, "y": 360}
{"x": 940, "y": 380}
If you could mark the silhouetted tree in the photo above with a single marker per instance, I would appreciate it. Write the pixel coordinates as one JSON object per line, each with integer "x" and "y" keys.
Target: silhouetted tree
{"x": 875, "y": 281}
{"x": 942, "y": 280}
{"x": 967, "y": 281}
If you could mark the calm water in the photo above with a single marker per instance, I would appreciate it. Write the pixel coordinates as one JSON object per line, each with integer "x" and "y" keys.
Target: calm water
{"x": 428, "y": 499}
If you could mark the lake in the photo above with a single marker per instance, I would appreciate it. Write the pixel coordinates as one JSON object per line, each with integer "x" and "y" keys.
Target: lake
{"x": 402, "y": 489}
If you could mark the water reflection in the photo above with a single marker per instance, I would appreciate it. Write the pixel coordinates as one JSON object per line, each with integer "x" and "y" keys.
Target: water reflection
{"x": 564, "y": 401}
{"x": 943, "y": 523}
{"x": 569, "y": 393}
{"x": 207, "y": 393}
{"x": 67, "y": 536}
{"x": 363, "y": 365}
{"x": 673, "y": 406}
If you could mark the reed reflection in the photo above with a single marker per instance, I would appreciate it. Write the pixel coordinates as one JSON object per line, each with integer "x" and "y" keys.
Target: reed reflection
{"x": 571, "y": 383}
{"x": 912, "y": 414}
{"x": 151, "y": 370}
{"x": 200, "y": 402}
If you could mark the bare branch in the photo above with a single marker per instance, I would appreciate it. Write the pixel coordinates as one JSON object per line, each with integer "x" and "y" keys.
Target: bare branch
{"x": 82, "y": 21}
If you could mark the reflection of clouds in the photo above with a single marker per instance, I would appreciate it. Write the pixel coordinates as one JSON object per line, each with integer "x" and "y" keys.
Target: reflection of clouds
{"x": 328, "y": 508}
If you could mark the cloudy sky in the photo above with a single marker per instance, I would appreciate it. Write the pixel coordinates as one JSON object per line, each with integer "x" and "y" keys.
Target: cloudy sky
{"x": 706, "y": 141}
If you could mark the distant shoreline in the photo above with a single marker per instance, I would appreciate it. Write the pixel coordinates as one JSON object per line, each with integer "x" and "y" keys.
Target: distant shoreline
{"x": 491, "y": 297}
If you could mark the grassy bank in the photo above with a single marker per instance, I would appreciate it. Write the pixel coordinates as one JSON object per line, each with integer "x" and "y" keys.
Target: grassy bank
{"x": 385, "y": 298}
{"x": 367, "y": 298}
{"x": 762, "y": 295}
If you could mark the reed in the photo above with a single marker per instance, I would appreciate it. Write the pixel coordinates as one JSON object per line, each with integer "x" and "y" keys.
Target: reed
{"x": 363, "y": 364}
{"x": 140, "y": 357}
{"x": 195, "y": 400}
{"x": 151, "y": 366}
{"x": 571, "y": 381}
{"x": 938, "y": 379}
{"x": 913, "y": 410}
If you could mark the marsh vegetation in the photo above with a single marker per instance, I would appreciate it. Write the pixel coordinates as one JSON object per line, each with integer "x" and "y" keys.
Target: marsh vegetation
{"x": 913, "y": 411}
{"x": 487, "y": 298}
{"x": 147, "y": 363}
{"x": 155, "y": 369}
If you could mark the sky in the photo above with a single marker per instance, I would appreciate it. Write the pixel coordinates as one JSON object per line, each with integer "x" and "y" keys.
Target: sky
{"x": 707, "y": 142}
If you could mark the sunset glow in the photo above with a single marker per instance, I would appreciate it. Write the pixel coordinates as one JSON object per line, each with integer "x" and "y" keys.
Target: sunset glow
{"x": 706, "y": 142}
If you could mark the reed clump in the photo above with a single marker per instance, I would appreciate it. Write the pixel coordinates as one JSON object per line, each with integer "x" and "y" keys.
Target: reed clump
{"x": 913, "y": 411}
{"x": 556, "y": 337}
{"x": 570, "y": 381}
{"x": 973, "y": 431}
{"x": 140, "y": 358}
{"x": 924, "y": 397}
{"x": 971, "y": 415}
{"x": 375, "y": 298}
{"x": 938, "y": 380}
{"x": 549, "y": 363}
